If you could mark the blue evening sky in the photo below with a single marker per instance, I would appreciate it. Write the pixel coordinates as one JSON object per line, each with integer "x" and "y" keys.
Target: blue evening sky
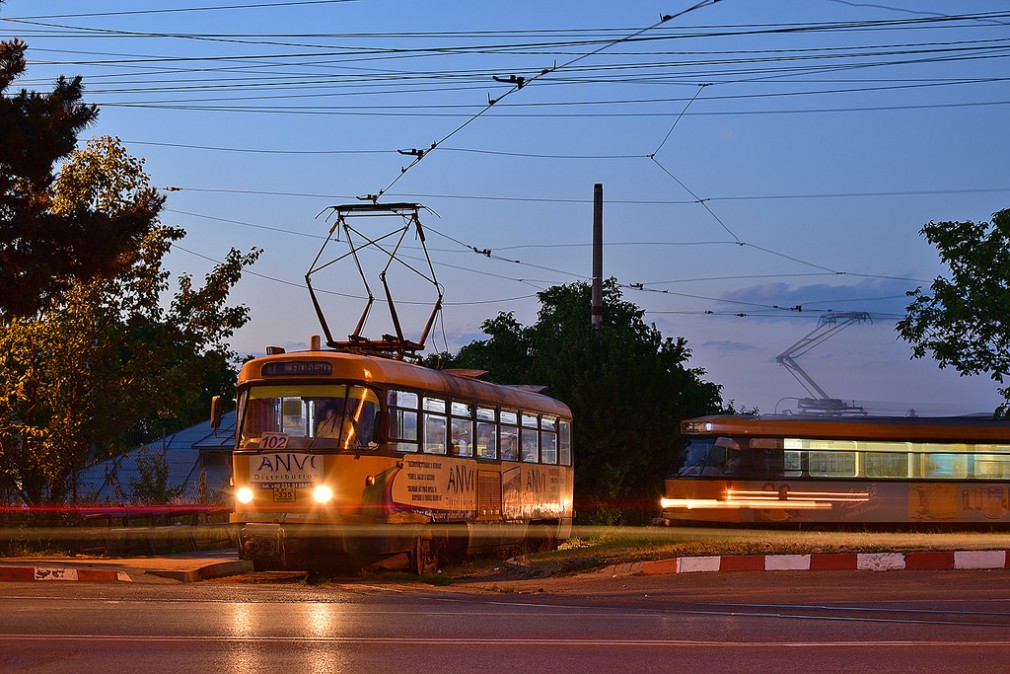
{"x": 757, "y": 157}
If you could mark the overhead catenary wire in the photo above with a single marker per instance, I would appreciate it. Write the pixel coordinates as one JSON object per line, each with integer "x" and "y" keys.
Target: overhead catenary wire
{"x": 518, "y": 82}
{"x": 178, "y": 10}
{"x": 706, "y": 200}
{"x": 563, "y": 274}
{"x": 582, "y": 200}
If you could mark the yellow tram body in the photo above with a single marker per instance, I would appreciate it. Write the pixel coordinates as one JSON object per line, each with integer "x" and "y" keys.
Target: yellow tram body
{"x": 349, "y": 459}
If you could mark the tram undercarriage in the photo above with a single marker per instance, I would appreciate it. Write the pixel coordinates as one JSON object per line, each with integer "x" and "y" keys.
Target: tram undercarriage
{"x": 421, "y": 549}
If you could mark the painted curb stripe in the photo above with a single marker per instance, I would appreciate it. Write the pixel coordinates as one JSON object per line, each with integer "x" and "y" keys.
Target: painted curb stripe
{"x": 880, "y": 561}
{"x": 872, "y": 561}
{"x": 744, "y": 563}
{"x": 980, "y": 559}
{"x": 44, "y": 573}
{"x": 17, "y": 573}
{"x": 693, "y": 564}
{"x": 842, "y": 561}
{"x": 929, "y": 560}
{"x": 787, "y": 563}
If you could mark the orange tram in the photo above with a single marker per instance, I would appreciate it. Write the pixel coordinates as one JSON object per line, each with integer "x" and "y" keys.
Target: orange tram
{"x": 841, "y": 470}
{"x": 349, "y": 460}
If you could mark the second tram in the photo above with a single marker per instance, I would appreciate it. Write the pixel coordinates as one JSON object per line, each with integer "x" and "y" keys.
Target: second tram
{"x": 841, "y": 470}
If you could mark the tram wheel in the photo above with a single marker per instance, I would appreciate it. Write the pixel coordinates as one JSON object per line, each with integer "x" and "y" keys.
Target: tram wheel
{"x": 424, "y": 558}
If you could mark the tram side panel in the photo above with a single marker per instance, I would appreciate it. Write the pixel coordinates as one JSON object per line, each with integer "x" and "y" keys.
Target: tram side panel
{"x": 837, "y": 502}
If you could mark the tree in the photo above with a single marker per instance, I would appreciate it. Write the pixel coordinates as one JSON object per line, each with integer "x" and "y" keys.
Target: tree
{"x": 964, "y": 321}
{"x": 106, "y": 357}
{"x": 44, "y": 249}
{"x": 151, "y": 484}
{"x": 628, "y": 390}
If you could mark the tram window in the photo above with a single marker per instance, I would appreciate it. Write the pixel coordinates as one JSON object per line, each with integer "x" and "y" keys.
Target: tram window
{"x": 549, "y": 440}
{"x": 435, "y": 425}
{"x": 509, "y": 430}
{"x": 434, "y": 434}
{"x": 769, "y": 462}
{"x": 832, "y": 464}
{"x": 434, "y": 405}
{"x": 945, "y": 465}
{"x": 402, "y": 399}
{"x": 258, "y": 417}
{"x": 565, "y": 444}
{"x": 992, "y": 466}
{"x": 693, "y": 456}
{"x": 487, "y": 436}
{"x": 360, "y": 410}
{"x": 402, "y": 420}
{"x": 487, "y": 440}
{"x": 313, "y": 416}
{"x": 715, "y": 460}
{"x": 792, "y": 463}
{"x": 886, "y": 464}
{"x": 294, "y": 418}
{"x": 530, "y": 439}
{"x": 462, "y": 429}
{"x": 403, "y": 424}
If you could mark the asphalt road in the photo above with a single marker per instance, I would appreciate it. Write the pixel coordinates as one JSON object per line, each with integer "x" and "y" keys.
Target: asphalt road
{"x": 908, "y": 621}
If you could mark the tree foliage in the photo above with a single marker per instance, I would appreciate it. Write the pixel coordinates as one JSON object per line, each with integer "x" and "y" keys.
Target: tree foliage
{"x": 628, "y": 389}
{"x": 151, "y": 485}
{"x": 106, "y": 360}
{"x": 964, "y": 320}
{"x": 45, "y": 246}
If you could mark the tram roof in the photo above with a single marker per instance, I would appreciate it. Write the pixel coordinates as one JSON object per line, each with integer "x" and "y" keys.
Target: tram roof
{"x": 911, "y": 429}
{"x": 388, "y": 371}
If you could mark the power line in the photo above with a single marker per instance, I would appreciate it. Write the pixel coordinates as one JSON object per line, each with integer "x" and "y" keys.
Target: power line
{"x": 259, "y": 5}
{"x": 488, "y": 253}
{"x": 582, "y": 201}
{"x": 518, "y": 82}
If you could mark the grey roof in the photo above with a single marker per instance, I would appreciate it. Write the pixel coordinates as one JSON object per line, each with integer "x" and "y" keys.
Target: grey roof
{"x": 187, "y": 453}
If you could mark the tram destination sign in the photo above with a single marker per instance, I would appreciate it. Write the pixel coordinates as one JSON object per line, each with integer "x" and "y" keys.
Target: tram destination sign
{"x": 298, "y": 368}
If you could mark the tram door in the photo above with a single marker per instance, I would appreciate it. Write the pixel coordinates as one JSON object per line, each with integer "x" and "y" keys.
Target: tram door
{"x": 488, "y": 495}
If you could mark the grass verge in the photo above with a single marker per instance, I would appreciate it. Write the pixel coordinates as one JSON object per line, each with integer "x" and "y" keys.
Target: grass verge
{"x": 592, "y": 548}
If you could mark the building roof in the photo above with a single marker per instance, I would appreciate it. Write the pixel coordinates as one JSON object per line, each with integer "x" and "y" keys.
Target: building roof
{"x": 187, "y": 453}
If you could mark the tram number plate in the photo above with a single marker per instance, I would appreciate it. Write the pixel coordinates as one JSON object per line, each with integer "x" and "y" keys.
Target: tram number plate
{"x": 284, "y": 494}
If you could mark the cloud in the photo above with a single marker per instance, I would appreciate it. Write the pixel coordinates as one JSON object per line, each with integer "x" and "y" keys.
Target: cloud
{"x": 883, "y": 299}
{"x": 726, "y": 346}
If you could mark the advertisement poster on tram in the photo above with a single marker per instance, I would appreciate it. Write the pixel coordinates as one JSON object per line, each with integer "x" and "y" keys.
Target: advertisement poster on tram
{"x": 985, "y": 503}
{"x": 441, "y": 487}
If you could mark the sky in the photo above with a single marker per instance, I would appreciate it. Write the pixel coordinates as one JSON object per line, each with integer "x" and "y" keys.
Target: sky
{"x": 764, "y": 164}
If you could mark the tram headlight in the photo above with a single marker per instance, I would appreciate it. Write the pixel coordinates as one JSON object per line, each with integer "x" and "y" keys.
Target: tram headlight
{"x": 244, "y": 495}
{"x": 322, "y": 494}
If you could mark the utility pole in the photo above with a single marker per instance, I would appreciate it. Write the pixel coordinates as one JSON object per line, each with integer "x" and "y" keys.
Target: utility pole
{"x": 597, "y": 309}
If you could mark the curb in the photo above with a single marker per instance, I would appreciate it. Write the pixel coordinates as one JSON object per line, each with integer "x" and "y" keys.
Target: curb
{"x": 204, "y": 572}
{"x": 862, "y": 561}
{"x": 21, "y": 573}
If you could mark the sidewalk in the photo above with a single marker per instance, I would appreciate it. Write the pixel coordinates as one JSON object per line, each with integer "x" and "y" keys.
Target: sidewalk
{"x": 186, "y": 567}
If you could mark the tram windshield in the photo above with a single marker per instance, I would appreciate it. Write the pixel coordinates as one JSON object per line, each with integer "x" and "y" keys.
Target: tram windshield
{"x": 737, "y": 457}
{"x": 308, "y": 416}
